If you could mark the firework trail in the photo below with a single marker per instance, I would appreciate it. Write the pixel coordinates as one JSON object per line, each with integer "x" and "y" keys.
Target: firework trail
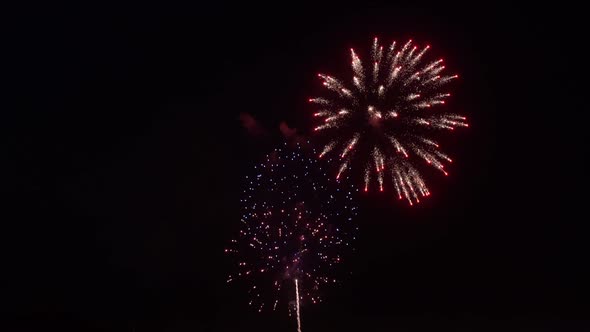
{"x": 297, "y": 304}
{"x": 384, "y": 120}
{"x": 296, "y": 225}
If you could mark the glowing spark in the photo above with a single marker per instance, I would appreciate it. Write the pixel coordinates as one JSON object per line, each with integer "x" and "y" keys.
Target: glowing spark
{"x": 327, "y": 149}
{"x": 349, "y": 147}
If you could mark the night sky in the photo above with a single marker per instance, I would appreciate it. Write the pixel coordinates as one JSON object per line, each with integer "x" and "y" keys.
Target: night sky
{"x": 123, "y": 156}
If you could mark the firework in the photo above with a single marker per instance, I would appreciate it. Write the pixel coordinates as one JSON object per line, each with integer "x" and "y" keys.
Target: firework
{"x": 385, "y": 119}
{"x": 295, "y": 232}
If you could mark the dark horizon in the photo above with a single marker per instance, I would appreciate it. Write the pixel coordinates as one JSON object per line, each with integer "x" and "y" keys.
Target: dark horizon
{"x": 126, "y": 154}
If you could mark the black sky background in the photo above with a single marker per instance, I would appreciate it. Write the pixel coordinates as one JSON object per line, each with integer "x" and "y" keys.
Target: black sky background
{"x": 123, "y": 156}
